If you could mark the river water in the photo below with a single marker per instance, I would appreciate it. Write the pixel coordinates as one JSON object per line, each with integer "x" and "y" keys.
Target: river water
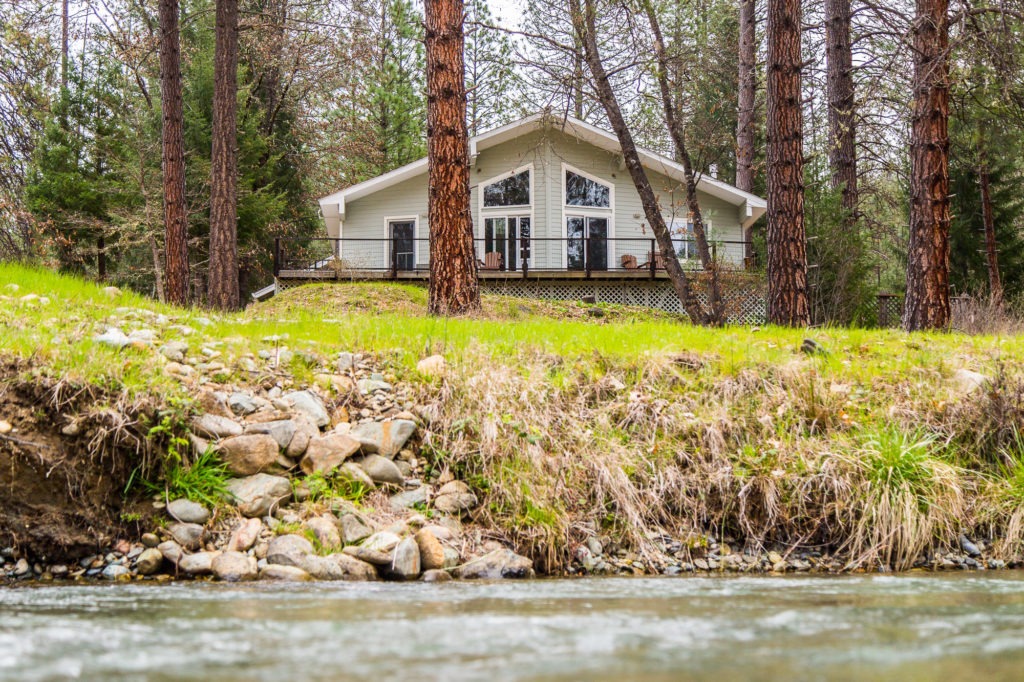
{"x": 732, "y": 628}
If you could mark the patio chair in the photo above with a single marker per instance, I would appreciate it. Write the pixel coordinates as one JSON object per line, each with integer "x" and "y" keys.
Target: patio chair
{"x": 492, "y": 261}
{"x": 629, "y": 262}
{"x": 659, "y": 260}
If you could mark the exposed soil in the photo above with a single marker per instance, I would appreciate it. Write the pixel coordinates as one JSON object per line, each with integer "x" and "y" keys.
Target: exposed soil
{"x": 61, "y": 494}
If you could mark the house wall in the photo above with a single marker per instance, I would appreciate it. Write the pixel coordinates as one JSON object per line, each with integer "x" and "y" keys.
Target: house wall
{"x": 366, "y": 218}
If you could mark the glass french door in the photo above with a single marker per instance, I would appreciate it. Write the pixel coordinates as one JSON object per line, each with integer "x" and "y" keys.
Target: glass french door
{"x": 510, "y": 237}
{"x": 403, "y": 243}
{"x": 587, "y": 242}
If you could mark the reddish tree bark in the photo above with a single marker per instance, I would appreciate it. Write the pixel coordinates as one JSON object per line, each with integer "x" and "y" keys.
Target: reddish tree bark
{"x": 927, "y": 301}
{"x": 173, "y": 150}
{"x": 787, "y": 245}
{"x": 223, "y": 286}
{"x": 454, "y": 289}
{"x": 842, "y": 130}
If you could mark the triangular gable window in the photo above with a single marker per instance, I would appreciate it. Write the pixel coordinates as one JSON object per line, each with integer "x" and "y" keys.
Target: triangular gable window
{"x": 512, "y": 191}
{"x": 582, "y": 191}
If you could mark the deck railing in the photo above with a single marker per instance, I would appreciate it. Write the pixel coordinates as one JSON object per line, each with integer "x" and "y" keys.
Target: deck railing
{"x": 590, "y": 256}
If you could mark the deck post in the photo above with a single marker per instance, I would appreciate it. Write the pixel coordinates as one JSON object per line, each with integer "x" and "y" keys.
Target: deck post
{"x": 277, "y": 256}
{"x": 394, "y": 258}
{"x": 586, "y": 255}
{"x": 654, "y": 260}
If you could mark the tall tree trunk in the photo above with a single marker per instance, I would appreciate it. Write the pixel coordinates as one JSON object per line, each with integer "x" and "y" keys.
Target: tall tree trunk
{"x": 585, "y": 27}
{"x": 223, "y": 292}
{"x": 746, "y": 107}
{"x": 158, "y": 270}
{"x": 454, "y": 289}
{"x": 787, "y": 244}
{"x": 747, "y": 100}
{"x": 995, "y": 282}
{"x": 175, "y": 212}
{"x": 675, "y": 127}
{"x": 842, "y": 125}
{"x": 65, "y": 21}
{"x": 927, "y": 300}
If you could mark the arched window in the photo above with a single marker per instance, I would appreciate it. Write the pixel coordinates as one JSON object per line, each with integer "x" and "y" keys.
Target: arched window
{"x": 582, "y": 191}
{"x": 511, "y": 191}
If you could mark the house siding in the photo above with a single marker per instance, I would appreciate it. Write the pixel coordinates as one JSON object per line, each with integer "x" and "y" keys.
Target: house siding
{"x": 547, "y": 151}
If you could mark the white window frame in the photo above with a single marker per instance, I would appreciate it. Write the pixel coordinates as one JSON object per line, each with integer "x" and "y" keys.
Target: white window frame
{"x": 688, "y": 224}
{"x": 584, "y": 211}
{"x": 415, "y": 234}
{"x": 517, "y": 211}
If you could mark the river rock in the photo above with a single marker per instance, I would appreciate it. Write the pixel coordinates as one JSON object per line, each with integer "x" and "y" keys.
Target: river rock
{"x": 432, "y": 366}
{"x": 113, "y": 337}
{"x": 454, "y": 497}
{"x": 174, "y": 351}
{"x": 384, "y": 541}
{"x": 969, "y": 547}
{"x": 368, "y": 386}
{"x": 338, "y": 567}
{"x": 288, "y": 550}
{"x": 305, "y": 431}
{"x": 249, "y": 454}
{"x": 200, "y": 563}
{"x": 452, "y": 558}
{"x": 116, "y": 572}
{"x": 325, "y": 453}
{"x": 325, "y": 530}
{"x": 370, "y": 556}
{"x": 215, "y": 426}
{"x": 188, "y": 535}
{"x": 256, "y": 495}
{"x": 407, "y": 499}
{"x": 244, "y": 536}
{"x": 187, "y": 511}
{"x": 288, "y": 574}
{"x": 171, "y": 551}
{"x": 242, "y": 403}
{"x": 234, "y": 567}
{"x": 149, "y": 561}
{"x": 406, "y": 562}
{"x": 442, "y": 533}
{"x": 436, "y": 576}
{"x": 384, "y": 438}
{"x": 968, "y": 381}
{"x": 431, "y": 550}
{"x": 382, "y": 470}
{"x": 308, "y": 404}
{"x": 355, "y": 474}
{"x": 501, "y": 563}
{"x": 281, "y": 430}
{"x": 354, "y": 528}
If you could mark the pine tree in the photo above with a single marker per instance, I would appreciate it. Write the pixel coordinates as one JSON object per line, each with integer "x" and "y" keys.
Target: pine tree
{"x": 454, "y": 289}
{"x": 927, "y": 301}
{"x": 223, "y": 285}
{"x": 787, "y": 244}
{"x": 494, "y": 91}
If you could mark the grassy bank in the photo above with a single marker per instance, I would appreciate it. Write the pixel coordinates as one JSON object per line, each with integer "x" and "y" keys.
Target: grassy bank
{"x": 574, "y": 420}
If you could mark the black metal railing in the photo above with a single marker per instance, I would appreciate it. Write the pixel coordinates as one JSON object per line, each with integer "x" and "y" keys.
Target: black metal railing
{"x": 520, "y": 255}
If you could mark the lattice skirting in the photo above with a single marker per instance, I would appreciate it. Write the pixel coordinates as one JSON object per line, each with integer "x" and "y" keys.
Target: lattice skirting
{"x": 745, "y": 301}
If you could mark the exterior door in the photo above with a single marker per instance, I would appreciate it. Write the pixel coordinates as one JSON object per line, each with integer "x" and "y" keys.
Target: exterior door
{"x": 403, "y": 244}
{"x": 509, "y": 236}
{"x": 587, "y": 242}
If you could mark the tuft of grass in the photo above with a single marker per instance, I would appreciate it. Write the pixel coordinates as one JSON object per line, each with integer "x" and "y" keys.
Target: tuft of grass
{"x": 910, "y": 498}
{"x": 203, "y": 479}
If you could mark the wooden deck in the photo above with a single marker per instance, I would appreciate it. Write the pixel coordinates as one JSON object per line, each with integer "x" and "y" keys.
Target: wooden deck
{"x": 423, "y": 275}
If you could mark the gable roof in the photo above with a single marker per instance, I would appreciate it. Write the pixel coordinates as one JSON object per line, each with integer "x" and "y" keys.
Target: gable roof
{"x": 334, "y": 204}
